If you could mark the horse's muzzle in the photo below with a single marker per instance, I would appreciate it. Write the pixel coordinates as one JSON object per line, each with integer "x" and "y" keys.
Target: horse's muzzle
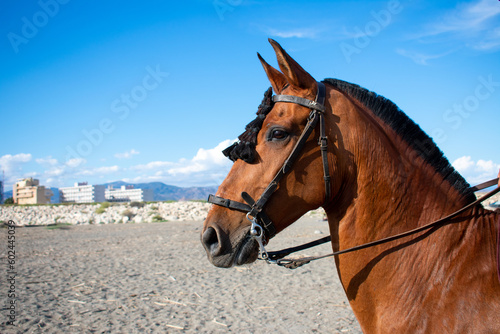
{"x": 221, "y": 252}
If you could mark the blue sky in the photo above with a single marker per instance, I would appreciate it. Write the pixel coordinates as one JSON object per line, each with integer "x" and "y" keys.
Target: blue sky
{"x": 147, "y": 91}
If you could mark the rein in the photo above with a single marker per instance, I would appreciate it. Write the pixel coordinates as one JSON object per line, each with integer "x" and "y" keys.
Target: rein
{"x": 262, "y": 228}
{"x": 278, "y": 256}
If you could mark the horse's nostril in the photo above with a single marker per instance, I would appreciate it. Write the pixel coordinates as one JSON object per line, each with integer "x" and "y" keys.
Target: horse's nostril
{"x": 210, "y": 240}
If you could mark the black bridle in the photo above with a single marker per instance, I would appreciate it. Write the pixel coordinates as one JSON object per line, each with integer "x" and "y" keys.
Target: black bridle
{"x": 262, "y": 228}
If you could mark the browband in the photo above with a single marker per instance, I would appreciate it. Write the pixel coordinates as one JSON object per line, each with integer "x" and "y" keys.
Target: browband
{"x": 301, "y": 101}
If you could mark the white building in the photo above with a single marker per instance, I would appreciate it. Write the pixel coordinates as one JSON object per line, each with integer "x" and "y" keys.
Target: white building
{"x": 82, "y": 193}
{"x": 128, "y": 194}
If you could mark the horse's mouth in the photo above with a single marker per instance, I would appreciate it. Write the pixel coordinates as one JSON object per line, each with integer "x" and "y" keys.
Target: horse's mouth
{"x": 225, "y": 253}
{"x": 247, "y": 251}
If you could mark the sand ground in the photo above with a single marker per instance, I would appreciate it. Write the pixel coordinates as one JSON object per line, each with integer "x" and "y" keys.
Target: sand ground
{"x": 155, "y": 278}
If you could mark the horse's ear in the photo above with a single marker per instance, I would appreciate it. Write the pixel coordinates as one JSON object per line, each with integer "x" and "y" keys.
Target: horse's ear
{"x": 294, "y": 73}
{"x": 277, "y": 79}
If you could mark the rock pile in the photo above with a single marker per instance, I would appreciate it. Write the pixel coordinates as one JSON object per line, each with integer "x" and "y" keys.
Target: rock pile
{"x": 491, "y": 203}
{"x": 104, "y": 213}
{"x": 118, "y": 213}
{"x": 108, "y": 213}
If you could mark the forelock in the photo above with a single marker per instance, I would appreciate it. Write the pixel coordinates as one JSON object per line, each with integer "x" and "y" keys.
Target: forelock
{"x": 244, "y": 148}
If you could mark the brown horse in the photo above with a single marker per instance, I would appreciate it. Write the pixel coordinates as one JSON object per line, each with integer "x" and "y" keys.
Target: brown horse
{"x": 387, "y": 177}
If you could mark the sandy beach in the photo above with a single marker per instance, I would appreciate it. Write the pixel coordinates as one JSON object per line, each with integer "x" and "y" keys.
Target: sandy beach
{"x": 155, "y": 278}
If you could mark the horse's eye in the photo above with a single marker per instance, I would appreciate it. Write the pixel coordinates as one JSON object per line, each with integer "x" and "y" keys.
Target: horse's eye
{"x": 278, "y": 134}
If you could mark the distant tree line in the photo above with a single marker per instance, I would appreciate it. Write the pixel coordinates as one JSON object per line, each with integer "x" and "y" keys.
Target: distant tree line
{"x": 9, "y": 200}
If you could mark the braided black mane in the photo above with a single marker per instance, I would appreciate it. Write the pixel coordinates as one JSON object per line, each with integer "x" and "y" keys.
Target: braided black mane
{"x": 244, "y": 149}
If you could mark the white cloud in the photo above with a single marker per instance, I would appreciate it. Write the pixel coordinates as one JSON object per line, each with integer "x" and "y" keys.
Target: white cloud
{"x": 64, "y": 174}
{"x": 126, "y": 155}
{"x": 203, "y": 160}
{"x": 152, "y": 166}
{"x": 12, "y": 166}
{"x": 477, "y": 13}
{"x": 207, "y": 167}
{"x": 476, "y": 171}
{"x": 310, "y": 33}
{"x": 47, "y": 161}
{"x": 73, "y": 163}
{"x": 487, "y": 166}
{"x": 473, "y": 24}
{"x": 463, "y": 164}
{"x": 56, "y": 171}
{"x": 9, "y": 163}
{"x": 107, "y": 170}
{"x": 420, "y": 58}
{"x": 473, "y": 16}
{"x": 143, "y": 179}
{"x": 99, "y": 171}
{"x": 52, "y": 172}
{"x": 491, "y": 40}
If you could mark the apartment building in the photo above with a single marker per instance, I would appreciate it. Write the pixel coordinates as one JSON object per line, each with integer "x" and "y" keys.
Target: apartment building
{"x": 82, "y": 193}
{"x": 29, "y": 191}
{"x": 128, "y": 194}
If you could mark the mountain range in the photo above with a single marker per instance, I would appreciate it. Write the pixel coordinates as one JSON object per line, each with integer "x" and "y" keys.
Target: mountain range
{"x": 165, "y": 192}
{"x": 162, "y": 191}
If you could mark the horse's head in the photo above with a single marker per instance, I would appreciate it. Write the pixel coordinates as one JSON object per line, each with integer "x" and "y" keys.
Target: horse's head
{"x": 226, "y": 233}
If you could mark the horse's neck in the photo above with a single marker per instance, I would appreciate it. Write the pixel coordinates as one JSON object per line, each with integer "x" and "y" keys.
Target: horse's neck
{"x": 395, "y": 190}
{"x": 391, "y": 187}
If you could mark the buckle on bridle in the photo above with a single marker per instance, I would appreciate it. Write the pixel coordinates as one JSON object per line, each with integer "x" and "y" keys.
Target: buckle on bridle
{"x": 257, "y": 233}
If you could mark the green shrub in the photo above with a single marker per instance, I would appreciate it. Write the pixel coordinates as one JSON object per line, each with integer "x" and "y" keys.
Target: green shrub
{"x": 137, "y": 204}
{"x": 100, "y": 210}
{"x": 105, "y": 205}
{"x": 59, "y": 226}
{"x": 128, "y": 213}
{"x": 157, "y": 218}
